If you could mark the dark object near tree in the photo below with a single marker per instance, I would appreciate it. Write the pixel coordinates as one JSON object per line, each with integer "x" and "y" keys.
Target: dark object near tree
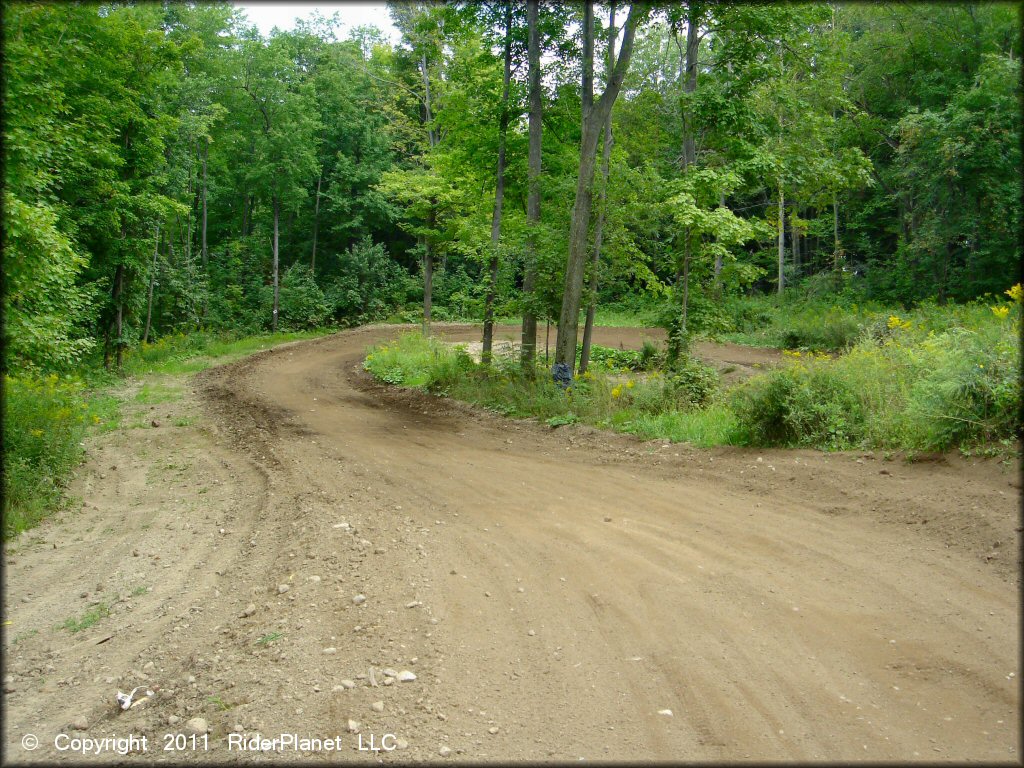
{"x": 561, "y": 374}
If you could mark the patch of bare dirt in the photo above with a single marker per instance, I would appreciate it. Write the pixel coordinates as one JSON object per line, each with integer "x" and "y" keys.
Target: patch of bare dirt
{"x": 553, "y": 591}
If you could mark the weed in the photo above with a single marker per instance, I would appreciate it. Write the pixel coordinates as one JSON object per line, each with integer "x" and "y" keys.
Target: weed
{"x": 154, "y": 393}
{"x": 87, "y": 619}
{"x": 269, "y": 638}
{"x": 219, "y": 703}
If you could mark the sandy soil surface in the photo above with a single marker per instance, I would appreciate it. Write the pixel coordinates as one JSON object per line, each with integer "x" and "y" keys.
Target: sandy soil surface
{"x": 291, "y": 536}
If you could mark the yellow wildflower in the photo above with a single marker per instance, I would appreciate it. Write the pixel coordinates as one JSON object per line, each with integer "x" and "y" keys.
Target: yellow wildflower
{"x": 630, "y": 384}
{"x": 37, "y": 433}
{"x": 1000, "y": 312}
{"x": 617, "y": 392}
{"x": 1016, "y": 293}
{"x": 894, "y": 321}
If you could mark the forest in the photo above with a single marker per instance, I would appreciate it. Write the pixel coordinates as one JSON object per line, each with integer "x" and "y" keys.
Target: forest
{"x": 833, "y": 179}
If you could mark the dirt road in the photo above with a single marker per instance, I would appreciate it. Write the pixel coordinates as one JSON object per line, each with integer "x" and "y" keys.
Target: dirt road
{"x": 292, "y": 529}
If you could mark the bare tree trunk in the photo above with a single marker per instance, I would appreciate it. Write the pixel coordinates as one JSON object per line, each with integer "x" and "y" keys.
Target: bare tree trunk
{"x": 119, "y": 300}
{"x": 152, "y": 281}
{"x": 499, "y": 194}
{"x": 568, "y": 323}
{"x": 206, "y": 155}
{"x": 529, "y": 350}
{"x": 428, "y": 115}
{"x": 837, "y": 252}
{"x": 794, "y": 235}
{"x": 277, "y": 286}
{"x": 602, "y": 202}
{"x": 718, "y": 256}
{"x": 428, "y": 280}
{"x": 782, "y": 238}
{"x": 316, "y": 222}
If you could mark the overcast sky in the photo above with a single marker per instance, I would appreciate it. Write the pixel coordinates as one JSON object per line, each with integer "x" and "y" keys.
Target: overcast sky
{"x": 266, "y": 16}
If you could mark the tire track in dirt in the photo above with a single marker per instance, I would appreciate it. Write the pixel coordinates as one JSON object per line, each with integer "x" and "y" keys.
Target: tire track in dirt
{"x": 783, "y": 604}
{"x": 544, "y": 513}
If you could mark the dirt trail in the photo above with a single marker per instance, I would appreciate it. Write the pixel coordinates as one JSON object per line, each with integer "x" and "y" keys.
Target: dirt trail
{"x": 553, "y": 591}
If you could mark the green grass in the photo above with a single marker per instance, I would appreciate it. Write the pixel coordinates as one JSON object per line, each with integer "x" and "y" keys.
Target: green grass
{"x": 47, "y": 417}
{"x": 152, "y": 393}
{"x": 87, "y": 619}
{"x": 195, "y": 352}
{"x": 715, "y": 425}
{"x": 934, "y": 378}
{"x": 677, "y": 407}
{"x": 270, "y": 638}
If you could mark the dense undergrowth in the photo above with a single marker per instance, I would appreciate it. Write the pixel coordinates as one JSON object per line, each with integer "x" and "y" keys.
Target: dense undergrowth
{"x": 930, "y": 379}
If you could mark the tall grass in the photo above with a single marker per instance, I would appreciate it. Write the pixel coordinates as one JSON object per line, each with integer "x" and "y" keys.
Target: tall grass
{"x": 189, "y": 353}
{"x": 928, "y": 381}
{"x": 931, "y": 379}
{"x": 45, "y": 419}
{"x": 669, "y": 406}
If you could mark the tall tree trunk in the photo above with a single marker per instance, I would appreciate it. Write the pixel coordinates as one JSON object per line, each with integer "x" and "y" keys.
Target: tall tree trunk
{"x": 205, "y": 252}
{"x": 794, "y": 236}
{"x": 593, "y": 124}
{"x": 684, "y": 337}
{"x": 837, "y": 250}
{"x": 689, "y": 86}
{"x": 277, "y": 286}
{"x": 428, "y": 287}
{"x": 316, "y": 222}
{"x": 428, "y": 114}
{"x": 206, "y": 155}
{"x": 499, "y": 193}
{"x": 152, "y": 282}
{"x": 782, "y": 238}
{"x": 718, "y": 256}
{"x": 119, "y": 303}
{"x": 529, "y": 351}
{"x": 602, "y": 202}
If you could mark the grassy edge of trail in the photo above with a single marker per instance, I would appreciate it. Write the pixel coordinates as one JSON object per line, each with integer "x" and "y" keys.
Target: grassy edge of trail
{"x": 48, "y": 417}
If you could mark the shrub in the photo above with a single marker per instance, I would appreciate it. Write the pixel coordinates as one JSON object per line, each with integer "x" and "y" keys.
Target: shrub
{"x": 799, "y": 406}
{"x": 301, "y": 303}
{"x": 369, "y": 284}
{"x": 694, "y": 383}
{"x": 44, "y": 422}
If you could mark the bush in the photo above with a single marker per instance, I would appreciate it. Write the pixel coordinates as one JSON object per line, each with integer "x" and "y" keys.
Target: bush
{"x": 694, "y": 383}
{"x": 44, "y": 422}
{"x": 301, "y": 303}
{"x": 799, "y": 406}
{"x": 369, "y": 284}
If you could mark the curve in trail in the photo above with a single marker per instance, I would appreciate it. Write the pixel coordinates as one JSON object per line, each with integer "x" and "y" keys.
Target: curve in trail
{"x": 568, "y": 588}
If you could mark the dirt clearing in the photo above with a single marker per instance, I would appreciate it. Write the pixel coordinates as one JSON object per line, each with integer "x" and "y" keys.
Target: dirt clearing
{"x": 292, "y": 535}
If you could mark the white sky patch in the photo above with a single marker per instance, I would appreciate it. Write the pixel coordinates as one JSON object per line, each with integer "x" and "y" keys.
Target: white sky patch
{"x": 266, "y": 16}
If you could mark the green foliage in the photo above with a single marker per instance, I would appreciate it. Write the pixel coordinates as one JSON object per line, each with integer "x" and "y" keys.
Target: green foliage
{"x": 302, "y": 303}
{"x": 368, "y": 285}
{"x": 44, "y": 307}
{"x": 914, "y": 387}
{"x": 934, "y": 380}
{"x": 87, "y": 619}
{"x": 188, "y": 353}
{"x": 45, "y": 419}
